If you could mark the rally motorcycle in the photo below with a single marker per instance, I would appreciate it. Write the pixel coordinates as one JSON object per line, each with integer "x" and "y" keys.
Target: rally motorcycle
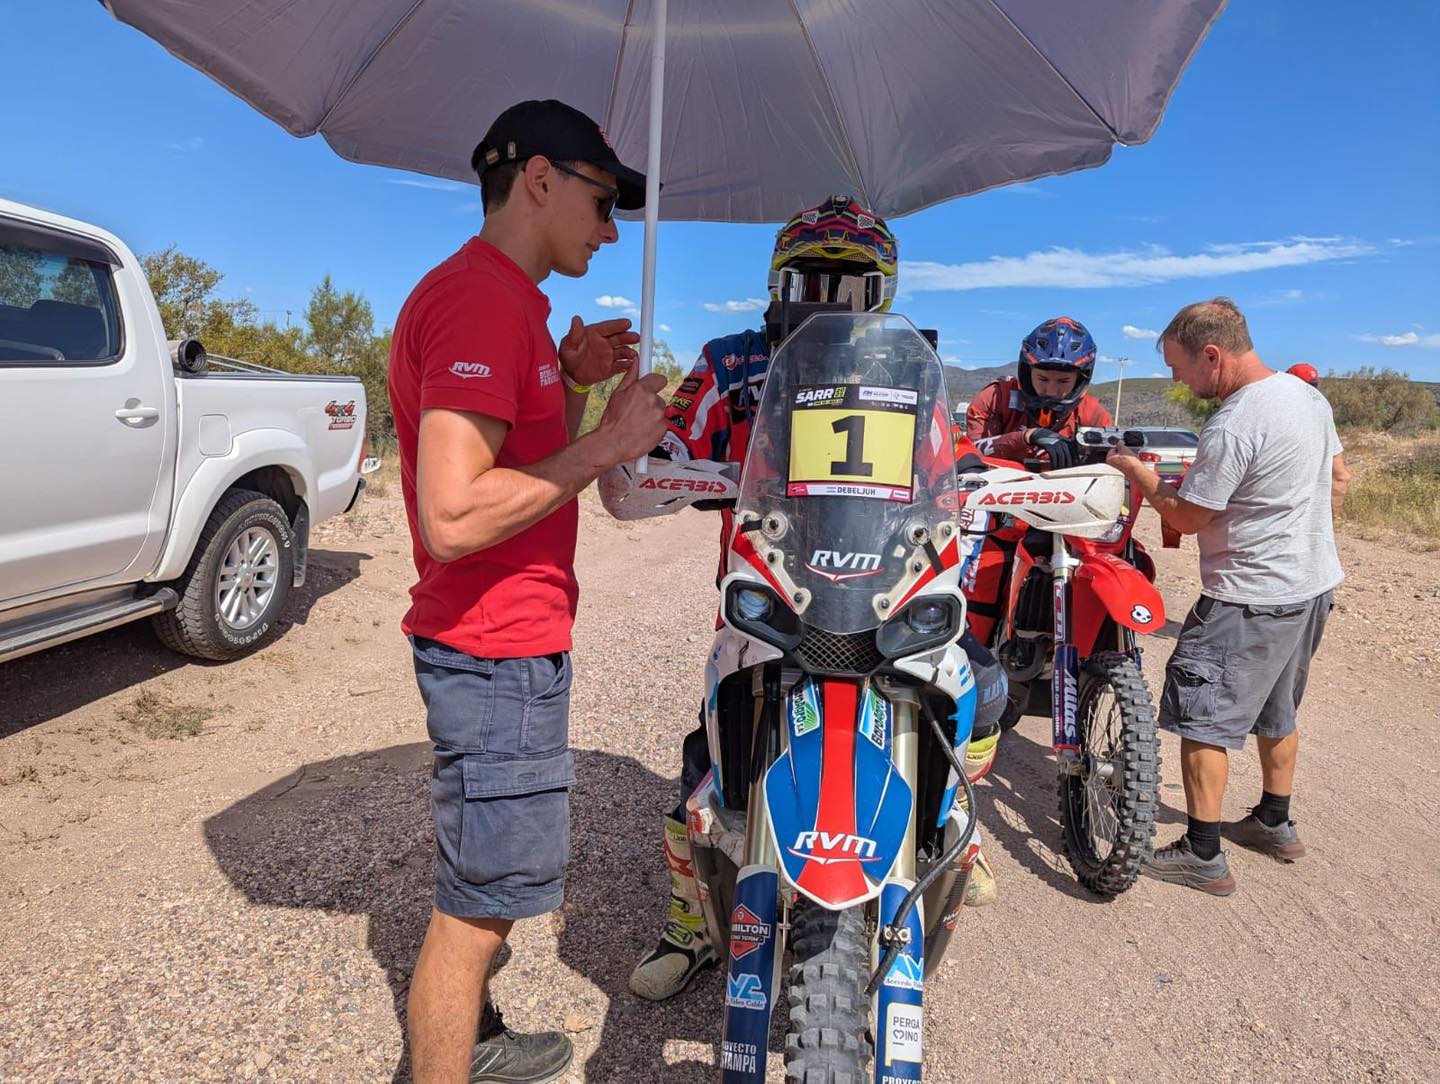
{"x": 1073, "y": 608}
{"x": 836, "y": 819}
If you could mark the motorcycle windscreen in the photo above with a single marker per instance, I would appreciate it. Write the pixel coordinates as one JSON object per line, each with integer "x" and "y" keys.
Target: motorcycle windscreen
{"x": 850, "y": 467}
{"x": 838, "y": 808}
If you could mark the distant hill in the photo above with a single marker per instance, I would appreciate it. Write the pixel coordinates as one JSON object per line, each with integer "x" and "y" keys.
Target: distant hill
{"x": 1143, "y": 401}
{"x": 962, "y": 384}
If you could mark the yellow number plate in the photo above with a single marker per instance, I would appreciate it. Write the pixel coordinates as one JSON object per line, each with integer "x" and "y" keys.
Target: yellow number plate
{"x": 852, "y": 443}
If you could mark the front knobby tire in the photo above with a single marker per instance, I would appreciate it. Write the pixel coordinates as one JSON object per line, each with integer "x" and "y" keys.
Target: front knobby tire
{"x": 1107, "y": 810}
{"x": 829, "y": 1012}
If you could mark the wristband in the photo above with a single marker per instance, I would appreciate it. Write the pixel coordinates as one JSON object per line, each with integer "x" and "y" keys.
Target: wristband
{"x": 579, "y": 389}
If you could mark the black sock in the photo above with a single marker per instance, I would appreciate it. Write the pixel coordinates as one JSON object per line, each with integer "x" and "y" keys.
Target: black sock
{"x": 1204, "y": 838}
{"x": 1273, "y": 810}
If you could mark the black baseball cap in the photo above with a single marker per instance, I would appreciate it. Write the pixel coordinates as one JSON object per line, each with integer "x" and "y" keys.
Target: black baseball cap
{"x": 561, "y": 133}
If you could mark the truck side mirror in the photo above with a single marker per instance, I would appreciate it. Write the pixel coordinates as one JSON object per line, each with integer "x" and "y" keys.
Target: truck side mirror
{"x": 188, "y": 355}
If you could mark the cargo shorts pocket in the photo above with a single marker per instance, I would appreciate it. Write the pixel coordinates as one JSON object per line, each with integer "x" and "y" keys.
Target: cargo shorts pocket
{"x": 515, "y": 822}
{"x": 545, "y": 721}
{"x": 1193, "y": 679}
{"x": 459, "y": 692}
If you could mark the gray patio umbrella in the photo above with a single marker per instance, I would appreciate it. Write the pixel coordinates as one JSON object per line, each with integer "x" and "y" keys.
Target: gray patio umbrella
{"x": 769, "y": 105}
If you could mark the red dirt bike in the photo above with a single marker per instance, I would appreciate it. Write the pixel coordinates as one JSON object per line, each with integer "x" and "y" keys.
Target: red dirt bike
{"x": 1071, "y": 610}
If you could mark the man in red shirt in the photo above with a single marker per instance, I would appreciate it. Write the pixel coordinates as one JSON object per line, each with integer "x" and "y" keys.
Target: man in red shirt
{"x": 486, "y": 410}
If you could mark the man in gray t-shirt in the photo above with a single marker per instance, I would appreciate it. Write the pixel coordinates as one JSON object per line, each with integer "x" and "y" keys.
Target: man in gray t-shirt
{"x": 1260, "y": 495}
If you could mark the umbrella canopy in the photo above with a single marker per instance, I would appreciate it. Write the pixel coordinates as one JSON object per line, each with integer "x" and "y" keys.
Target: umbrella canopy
{"x": 769, "y": 104}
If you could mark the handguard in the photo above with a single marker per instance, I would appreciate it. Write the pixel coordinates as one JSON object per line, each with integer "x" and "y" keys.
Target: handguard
{"x": 666, "y": 486}
{"x": 1081, "y": 501}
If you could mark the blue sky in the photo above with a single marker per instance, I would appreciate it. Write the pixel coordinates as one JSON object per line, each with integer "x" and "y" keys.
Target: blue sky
{"x": 1296, "y": 170}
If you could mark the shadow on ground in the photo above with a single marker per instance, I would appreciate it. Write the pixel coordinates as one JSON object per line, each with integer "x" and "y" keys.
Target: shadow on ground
{"x": 48, "y": 684}
{"x": 352, "y": 835}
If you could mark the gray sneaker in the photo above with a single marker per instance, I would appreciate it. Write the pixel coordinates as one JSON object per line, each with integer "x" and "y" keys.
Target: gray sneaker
{"x": 1179, "y": 865}
{"x": 1281, "y": 843}
{"x": 502, "y": 1056}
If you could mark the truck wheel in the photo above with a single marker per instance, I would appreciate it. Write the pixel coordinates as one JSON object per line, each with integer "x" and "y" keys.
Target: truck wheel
{"x": 237, "y": 582}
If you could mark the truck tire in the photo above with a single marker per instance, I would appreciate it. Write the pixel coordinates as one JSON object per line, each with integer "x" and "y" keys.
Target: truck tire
{"x": 237, "y": 582}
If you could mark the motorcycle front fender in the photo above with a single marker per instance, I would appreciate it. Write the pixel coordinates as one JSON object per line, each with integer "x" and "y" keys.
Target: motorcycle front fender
{"x": 1107, "y": 586}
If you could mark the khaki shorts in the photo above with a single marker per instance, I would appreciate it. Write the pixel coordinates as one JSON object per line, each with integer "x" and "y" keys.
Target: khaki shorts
{"x": 1241, "y": 668}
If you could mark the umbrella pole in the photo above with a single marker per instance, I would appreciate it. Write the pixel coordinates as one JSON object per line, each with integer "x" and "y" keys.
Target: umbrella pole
{"x": 652, "y": 191}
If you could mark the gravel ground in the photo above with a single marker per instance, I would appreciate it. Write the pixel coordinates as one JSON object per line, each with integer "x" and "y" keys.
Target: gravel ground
{"x": 247, "y": 904}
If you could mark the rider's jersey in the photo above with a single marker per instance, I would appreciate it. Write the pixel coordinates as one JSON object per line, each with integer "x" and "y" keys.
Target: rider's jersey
{"x": 710, "y": 413}
{"x": 996, "y": 420}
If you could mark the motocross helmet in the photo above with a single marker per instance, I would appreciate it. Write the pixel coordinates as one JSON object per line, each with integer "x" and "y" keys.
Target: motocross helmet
{"x": 1061, "y": 344}
{"x": 1306, "y": 372}
{"x": 836, "y": 252}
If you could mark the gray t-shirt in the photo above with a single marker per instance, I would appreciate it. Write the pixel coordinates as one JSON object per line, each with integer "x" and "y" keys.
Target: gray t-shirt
{"x": 1264, "y": 466}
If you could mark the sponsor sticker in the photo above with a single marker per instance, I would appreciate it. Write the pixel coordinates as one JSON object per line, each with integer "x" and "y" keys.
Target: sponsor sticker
{"x": 904, "y": 1033}
{"x": 803, "y": 716}
{"x": 745, "y": 992}
{"x": 747, "y": 932}
{"x": 738, "y": 1057}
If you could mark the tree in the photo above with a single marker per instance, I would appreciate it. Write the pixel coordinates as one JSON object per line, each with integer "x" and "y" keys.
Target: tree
{"x": 342, "y": 326}
{"x": 184, "y": 289}
{"x": 76, "y": 284}
{"x": 19, "y": 276}
{"x": 1384, "y": 400}
{"x": 1199, "y": 410}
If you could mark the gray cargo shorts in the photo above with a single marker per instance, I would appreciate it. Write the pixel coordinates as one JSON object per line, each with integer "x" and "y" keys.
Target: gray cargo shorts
{"x": 1241, "y": 668}
{"x": 499, "y": 790}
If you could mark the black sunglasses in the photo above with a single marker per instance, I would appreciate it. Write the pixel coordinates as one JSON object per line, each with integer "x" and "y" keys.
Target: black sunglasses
{"x": 605, "y": 204}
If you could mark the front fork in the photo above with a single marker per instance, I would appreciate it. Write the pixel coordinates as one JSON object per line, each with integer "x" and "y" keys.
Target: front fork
{"x": 1065, "y": 678}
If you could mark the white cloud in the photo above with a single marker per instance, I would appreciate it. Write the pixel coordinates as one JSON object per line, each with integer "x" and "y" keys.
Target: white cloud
{"x": 664, "y": 327}
{"x": 1408, "y": 338}
{"x": 431, "y": 183}
{"x": 1076, "y": 269}
{"x": 1130, "y": 331}
{"x": 187, "y": 145}
{"x": 614, "y": 301}
{"x": 750, "y": 304}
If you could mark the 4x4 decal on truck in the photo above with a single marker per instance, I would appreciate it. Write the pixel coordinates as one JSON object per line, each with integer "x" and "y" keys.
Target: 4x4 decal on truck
{"x": 342, "y": 415}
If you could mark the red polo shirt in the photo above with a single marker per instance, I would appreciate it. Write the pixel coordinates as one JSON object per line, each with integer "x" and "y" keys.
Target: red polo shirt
{"x": 472, "y": 337}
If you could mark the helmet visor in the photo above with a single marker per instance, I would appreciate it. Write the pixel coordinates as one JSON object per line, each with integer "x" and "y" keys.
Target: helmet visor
{"x": 862, "y": 291}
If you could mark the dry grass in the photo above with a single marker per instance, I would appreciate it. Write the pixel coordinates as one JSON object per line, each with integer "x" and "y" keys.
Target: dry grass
{"x": 157, "y": 716}
{"x": 1396, "y": 487}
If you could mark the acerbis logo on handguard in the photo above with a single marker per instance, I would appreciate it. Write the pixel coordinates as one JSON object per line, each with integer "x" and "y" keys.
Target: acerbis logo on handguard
{"x": 693, "y": 485}
{"x": 826, "y": 847}
{"x": 1057, "y": 496}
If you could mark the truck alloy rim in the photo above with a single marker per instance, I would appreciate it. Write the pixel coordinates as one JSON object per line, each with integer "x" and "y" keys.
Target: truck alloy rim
{"x": 247, "y": 578}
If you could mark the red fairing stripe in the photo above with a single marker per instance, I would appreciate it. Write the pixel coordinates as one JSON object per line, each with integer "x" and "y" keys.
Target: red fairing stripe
{"x": 839, "y": 877}
{"x": 743, "y": 547}
{"x": 949, "y": 558}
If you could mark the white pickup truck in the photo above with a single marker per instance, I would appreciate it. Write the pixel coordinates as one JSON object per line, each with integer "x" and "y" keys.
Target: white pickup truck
{"x": 139, "y": 477}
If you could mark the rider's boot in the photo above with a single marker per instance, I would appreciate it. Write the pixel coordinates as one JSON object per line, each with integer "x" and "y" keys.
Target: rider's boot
{"x": 684, "y": 949}
{"x": 981, "y": 889}
{"x": 980, "y": 756}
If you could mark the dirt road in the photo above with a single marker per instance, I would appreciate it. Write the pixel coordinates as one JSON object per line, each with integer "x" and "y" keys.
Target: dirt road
{"x": 246, "y": 903}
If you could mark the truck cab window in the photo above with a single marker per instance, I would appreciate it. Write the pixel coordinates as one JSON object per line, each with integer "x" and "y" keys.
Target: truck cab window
{"x": 56, "y": 308}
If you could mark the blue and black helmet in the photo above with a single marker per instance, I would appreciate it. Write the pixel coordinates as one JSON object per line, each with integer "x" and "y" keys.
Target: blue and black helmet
{"x": 1062, "y": 344}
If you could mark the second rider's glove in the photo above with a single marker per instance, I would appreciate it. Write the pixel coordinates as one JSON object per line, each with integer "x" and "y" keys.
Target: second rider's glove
{"x": 1055, "y": 446}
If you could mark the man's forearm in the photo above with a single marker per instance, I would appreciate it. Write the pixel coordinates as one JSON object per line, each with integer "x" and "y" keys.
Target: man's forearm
{"x": 1174, "y": 509}
{"x": 503, "y": 501}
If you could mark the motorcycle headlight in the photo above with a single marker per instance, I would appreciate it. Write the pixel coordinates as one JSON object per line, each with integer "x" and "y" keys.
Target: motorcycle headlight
{"x": 753, "y": 605}
{"x": 756, "y": 610}
{"x": 928, "y": 616}
{"x": 925, "y": 624}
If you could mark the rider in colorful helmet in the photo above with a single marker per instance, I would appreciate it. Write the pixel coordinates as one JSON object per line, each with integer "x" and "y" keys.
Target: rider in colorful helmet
{"x": 1306, "y": 372}
{"x": 1036, "y": 410}
{"x": 837, "y": 252}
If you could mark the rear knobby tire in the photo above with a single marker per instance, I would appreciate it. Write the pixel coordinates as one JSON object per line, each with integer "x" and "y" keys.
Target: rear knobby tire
{"x": 1107, "y": 857}
{"x": 197, "y": 626}
{"x": 829, "y": 1012}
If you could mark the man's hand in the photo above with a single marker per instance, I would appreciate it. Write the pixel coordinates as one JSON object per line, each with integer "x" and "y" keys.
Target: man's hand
{"x": 1175, "y": 511}
{"x": 1056, "y": 447}
{"x": 634, "y": 418}
{"x": 592, "y": 353}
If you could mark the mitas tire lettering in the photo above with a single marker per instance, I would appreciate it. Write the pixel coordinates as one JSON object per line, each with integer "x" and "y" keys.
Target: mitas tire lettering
{"x": 1043, "y": 497}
